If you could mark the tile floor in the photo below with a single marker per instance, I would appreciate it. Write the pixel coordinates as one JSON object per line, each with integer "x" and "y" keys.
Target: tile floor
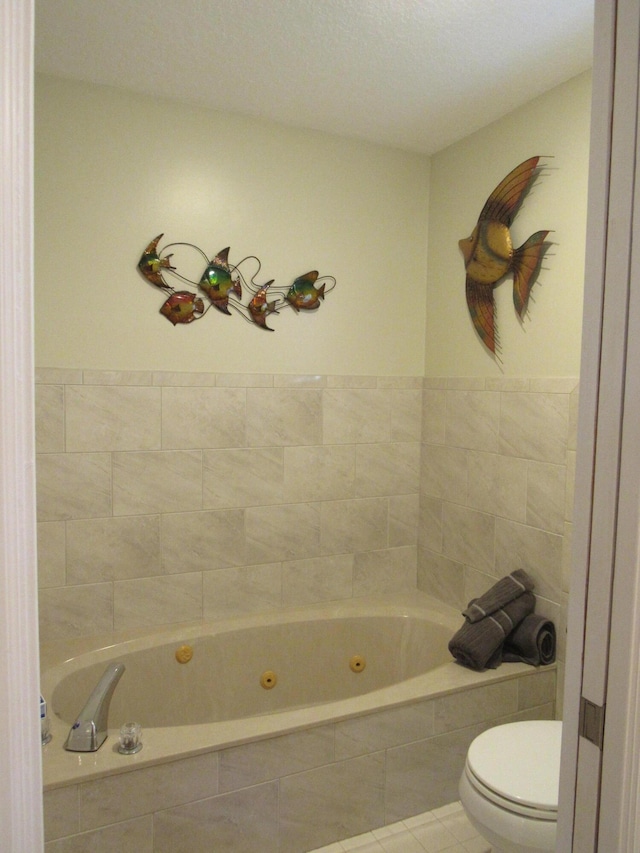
{"x": 444, "y": 829}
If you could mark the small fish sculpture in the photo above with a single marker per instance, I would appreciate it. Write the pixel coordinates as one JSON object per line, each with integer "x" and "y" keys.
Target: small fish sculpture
{"x": 183, "y": 307}
{"x": 303, "y": 294}
{"x": 151, "y": 264}
{"x": 217, "y": 282}
{"x": 489, "y": 254}
{"x": 259, "y": 308}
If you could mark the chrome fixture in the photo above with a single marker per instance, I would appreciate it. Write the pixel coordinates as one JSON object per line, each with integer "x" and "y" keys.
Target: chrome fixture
{"x": 89, "y": 731}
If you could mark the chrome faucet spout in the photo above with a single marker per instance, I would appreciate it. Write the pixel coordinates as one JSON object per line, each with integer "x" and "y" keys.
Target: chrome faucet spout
{"x": 89, "y": 731}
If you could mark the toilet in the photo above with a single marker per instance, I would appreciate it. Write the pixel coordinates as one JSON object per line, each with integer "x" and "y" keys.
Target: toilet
{"x": 509, "y": 785}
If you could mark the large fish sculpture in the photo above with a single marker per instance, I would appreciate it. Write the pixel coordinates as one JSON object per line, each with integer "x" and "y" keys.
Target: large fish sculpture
{"x": 489, "y": 254}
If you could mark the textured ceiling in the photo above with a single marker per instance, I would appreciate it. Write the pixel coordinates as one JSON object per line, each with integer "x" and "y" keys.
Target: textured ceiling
{"x": 415, "y": 74}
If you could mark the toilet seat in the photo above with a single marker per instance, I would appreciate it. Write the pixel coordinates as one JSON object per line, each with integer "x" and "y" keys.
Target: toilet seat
{"x": 517, "y": 767}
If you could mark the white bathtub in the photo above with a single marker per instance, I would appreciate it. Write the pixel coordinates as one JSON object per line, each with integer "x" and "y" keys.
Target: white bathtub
{"x": 216, "y": 700}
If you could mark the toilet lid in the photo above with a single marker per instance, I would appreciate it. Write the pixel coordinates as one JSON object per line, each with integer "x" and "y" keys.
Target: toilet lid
{"x": 520, "y": 762}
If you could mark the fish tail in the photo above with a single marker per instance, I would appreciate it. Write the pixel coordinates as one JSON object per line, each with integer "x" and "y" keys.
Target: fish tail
{"x": 321, "y": 291}
{"x": 525, "y": 265}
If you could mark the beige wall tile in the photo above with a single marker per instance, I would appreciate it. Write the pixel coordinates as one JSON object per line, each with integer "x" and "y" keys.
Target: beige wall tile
{"x": 478, "y": 705}
{"x": 117, "y": 377}
{"x": 328, "y": 803}
{"x": 387, "y": 469}
{"x": 76, "y": 611}
{"x": 242, "y": 589}
{"x": 546, "y": 496}
{"x": 441, "y": 577}
{"x": 409, "y": 790}
{"x": 286, "y": 532}
{"x": 537, "y": 689}
{"x": 157, "y": 601}
{"x": 319, "y": 473}
{"x": 203, "y": 417}
{"x": 239, "y": 822}
{"x": 400, "y": 382}
{"x": 570, "y": 485}
{"x": 244, "y": 380}
{"x": 252, "y": 763}
{"x": 403, "y": 520}
{"x": 112, "y": 417}
{"x": 350, "y": 526}
{"x": 406, "y": 415}
{"x": 127, "y": 795}
{"x": 184, "y": 380}
{"x": 51, "y": 553}
{"x": 383, "y": 729}
{"x": 536, "y": 551}
{"x": 352, "y": 382}
{"x": 284, "y": 380}
{"x": 157, "y": 481}
{"x": 468, "y": 536}
{"x": 131, "y": 836}
{"x": 201, "y": 541}
{"x": 317, "y": 579}
{"x": 430, "y": 523}
{"x": 443, "y": 473}
{"x": 473, "y": 419}
{"x": 356, "y": 416}
{"x": 238, "y": 477}
{"x": 49, "y": 415}
{"x": 380, "y": 572}
{"x": 74, "y": 485}
{"x": 498, "y": 484}
{"x": 61, "y": 812}
{"x": 57, "y": 376}
{"x": 283, "y": 417}
{"x": 434, "y": 415}
{"x": 535, "y": 426}
{"x": 106, "y": 549}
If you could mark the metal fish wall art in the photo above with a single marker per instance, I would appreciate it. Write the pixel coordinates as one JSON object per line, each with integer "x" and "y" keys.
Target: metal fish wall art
{"x": 223, "y": 284}
{"x": 489, "y": 255}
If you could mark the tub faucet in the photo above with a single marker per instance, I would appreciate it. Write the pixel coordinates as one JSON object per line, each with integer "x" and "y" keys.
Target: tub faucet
{"x": 89, "y": 731}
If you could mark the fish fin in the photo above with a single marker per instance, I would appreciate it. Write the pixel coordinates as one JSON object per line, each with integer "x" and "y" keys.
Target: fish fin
{"x": 222, "y": 258}
{"x": 221, "y": 306}
{"x": 504, "y": 201}
{"x": 310, "y": 276}
{"x": 482, "y": 310}
{"x": 525, "y": 264}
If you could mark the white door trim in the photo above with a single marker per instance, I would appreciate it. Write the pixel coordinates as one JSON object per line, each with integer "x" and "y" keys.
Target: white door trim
{"x": 21, "y": 777}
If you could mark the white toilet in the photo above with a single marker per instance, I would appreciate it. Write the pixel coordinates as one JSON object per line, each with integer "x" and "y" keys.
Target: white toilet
{"x": 509, "y": 786}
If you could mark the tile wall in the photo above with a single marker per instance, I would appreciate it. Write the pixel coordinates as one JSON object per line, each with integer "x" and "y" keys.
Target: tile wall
{"x": 496, "y": 488}
{"x": 165, "y": 498}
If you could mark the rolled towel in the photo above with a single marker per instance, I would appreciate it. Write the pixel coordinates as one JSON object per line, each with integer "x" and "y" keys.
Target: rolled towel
{"x": 533, "y": 641}
{"x": 501, "y": 593}
{"x": 478, "y": 645}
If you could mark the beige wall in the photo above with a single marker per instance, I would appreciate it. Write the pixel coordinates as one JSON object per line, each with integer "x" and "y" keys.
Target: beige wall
{"x": 114, "y": 169}
{"x": 462, "y": 177}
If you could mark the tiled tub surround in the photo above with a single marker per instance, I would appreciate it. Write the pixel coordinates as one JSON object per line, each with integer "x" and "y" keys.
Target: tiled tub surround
{"x": 496, "y": 488}
{"x": 291, "y": 781}
{"x": 166, "y": 498}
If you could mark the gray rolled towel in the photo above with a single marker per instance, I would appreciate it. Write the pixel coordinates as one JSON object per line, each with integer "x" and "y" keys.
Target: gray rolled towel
{"x": 478, "y": 645}
{"x": 533, "y": 641}
{"x": 501, "y": 593}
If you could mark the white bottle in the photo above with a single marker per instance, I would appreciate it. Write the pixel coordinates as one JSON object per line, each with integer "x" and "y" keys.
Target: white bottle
{"x": 44, "y": 722}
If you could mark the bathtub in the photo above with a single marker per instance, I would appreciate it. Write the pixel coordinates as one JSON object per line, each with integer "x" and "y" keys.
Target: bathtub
{"x": 208, "y": 688}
